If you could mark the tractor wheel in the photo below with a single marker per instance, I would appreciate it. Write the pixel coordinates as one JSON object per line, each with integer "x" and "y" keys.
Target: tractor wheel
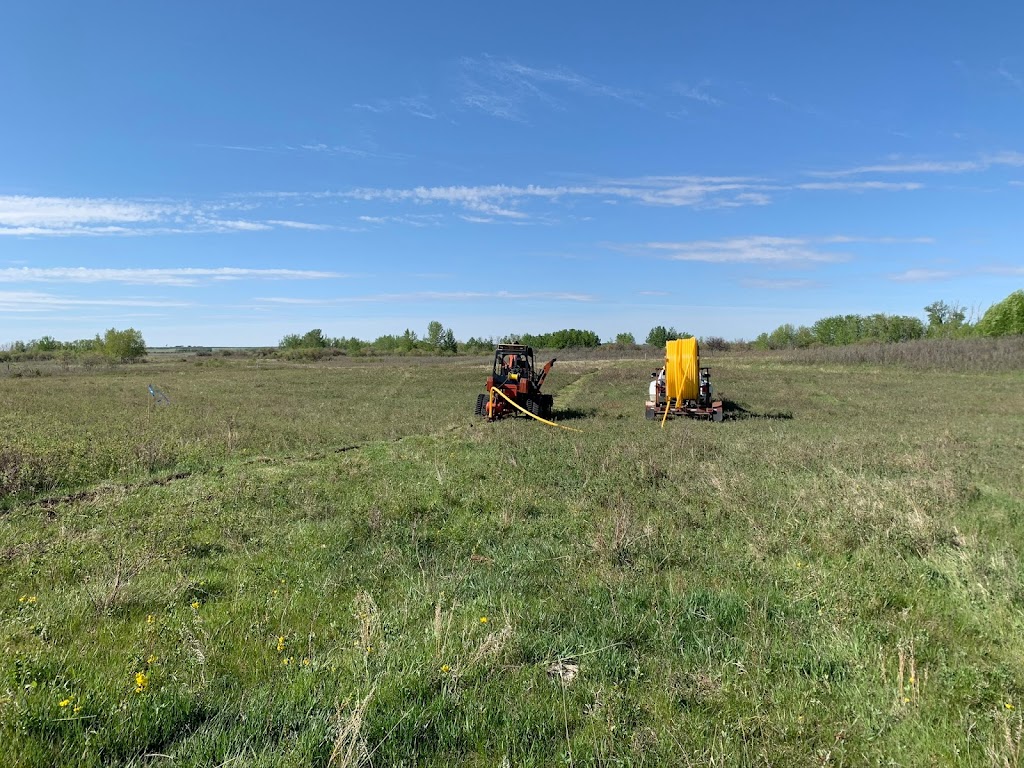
{"x": 481, "y": 404}
{"x": 534, "y": 407}
{"x": 546, "y": 403}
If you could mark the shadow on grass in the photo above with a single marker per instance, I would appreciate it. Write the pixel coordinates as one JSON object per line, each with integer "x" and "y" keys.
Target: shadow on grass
{"x": 570, "y": 414}
{"x": 733, "y": 410}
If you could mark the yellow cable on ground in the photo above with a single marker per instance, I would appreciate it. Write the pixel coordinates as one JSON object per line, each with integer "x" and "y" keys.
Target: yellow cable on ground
{"x": 668, "y": 403}
{"x": 495, "y": 390}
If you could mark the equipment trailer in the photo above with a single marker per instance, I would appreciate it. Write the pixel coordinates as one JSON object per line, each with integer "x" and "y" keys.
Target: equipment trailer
{"x": 682, "y": 387}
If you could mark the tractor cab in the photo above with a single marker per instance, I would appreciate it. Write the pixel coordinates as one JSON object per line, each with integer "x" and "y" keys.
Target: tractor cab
{"x": 513, "y": 362}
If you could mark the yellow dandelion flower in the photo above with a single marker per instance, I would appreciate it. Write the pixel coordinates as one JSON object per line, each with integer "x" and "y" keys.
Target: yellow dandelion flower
{"x": 305, "y": 662}
{"x": 152, "y": 659}
{"x": 906, "y": 700}
{"x": 64, "y": 703}
{"x": 280, "y": 643}
{"x": 151, "y": 619}
{"x": 287, "y": 660}
{"x": 445, "y": 669}
{"x": 23, "y": 598}
{"x": 369, "y": 648}
{"x": 483, "y": 619}
{"x": 911, "y": 680}
{"x": 77, "y": 709}
{"x": 31, "y": 599}
{"x": 195, "y": 605}
{"x": 273, "y": 593}
{"x": 1009, "y": 706}
{"x": 141, "y": 682}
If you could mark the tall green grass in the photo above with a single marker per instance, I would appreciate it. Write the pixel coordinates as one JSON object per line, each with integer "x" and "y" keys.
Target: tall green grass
{"x": 339, "y": 565}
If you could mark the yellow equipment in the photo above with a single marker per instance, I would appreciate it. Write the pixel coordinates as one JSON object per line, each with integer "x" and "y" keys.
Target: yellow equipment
{"x": 682, "y": 387}
{"x": 681, "y": 369}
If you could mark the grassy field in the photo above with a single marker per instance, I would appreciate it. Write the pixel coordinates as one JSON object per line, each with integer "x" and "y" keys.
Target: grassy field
{"x": 336, "y": 564}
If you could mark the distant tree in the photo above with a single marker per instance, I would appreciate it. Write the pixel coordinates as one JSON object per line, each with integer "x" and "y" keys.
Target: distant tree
{"x": 945, "y": 320}
{"x": 435, "y": 334}
{"x": 314, "y": 339}
{"x": 290, "y": 341}
{"x": 714, "y": 344}
{"x": 125, "y": 346}
{"x": 659, "y": 334}
{"x": 1005, "y": 318}
{"x": 407, "y": 342}
{"x": 448, "y": 343}
{"x": 782, "y": 337}
{"x": 625, "y": 339}
{"x": 46, "y": 344}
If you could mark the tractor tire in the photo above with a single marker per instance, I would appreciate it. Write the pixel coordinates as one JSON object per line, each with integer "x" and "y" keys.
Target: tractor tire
{"x": 546, "y": 404}
{"x": 481, "y": 405}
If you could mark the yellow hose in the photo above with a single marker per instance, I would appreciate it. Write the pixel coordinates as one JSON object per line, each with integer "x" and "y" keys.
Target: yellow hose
{"x": 668, "y": 402}
{"x": 495, "y": 390}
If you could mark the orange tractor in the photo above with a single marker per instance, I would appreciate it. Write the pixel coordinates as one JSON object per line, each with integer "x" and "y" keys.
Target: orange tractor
{"x": 515, "y": 376}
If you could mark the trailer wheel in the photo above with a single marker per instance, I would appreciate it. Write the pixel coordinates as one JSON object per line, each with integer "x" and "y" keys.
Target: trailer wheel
{"x": 481, "y": 403}
{"x": 717, "y": 416}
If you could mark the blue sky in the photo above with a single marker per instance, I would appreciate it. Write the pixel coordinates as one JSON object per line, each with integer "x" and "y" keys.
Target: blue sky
{"x": 224, "y": 173}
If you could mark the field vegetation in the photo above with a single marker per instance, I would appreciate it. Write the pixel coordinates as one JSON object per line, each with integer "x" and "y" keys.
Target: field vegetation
{"x": 335, "y": 563}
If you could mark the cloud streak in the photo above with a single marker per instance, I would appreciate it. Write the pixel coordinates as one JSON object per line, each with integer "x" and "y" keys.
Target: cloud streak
{"x": 506, "y": 89}
{"x": 32, "y": 301}
{"x": 922, "y": 275}
{"x": 182, "y": 276}
{"x": 28, "y": 216}
{"x": 758, "y": 249}
{"x": 1010, "y": 159}
{"x": 389, "y": 298}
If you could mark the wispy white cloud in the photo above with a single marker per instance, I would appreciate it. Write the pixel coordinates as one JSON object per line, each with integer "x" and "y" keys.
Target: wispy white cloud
{"x": 759, "y": 249}
{"x": 751, "y": 250}
{"x": 412, "y": 219}
{"x": 861, "y": 186}
{"x": 429, "y": 296}
{"x": 505, "y": 201}
{"x": 877, "y": 240}
{"x": 781, "y": 285}
{"x": 1010, "y": 77}
{"x": 418, "y": 106}
{"x": 505, "y": 88}
{"x": 317, "y": 147}
{"x": 922, "y": 275}
{"x": 1007, "y": 159}
{"x": 24, "y": 216}
{"x": 19, "y": 211}
{"x": 287, "y": 224}
{"x": 698, "y": 92}
{"x": 179, "y": 276}
{"x": 31, "y": 301}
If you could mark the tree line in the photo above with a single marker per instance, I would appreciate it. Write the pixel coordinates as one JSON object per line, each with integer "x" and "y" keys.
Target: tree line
{"x": 944, "y": 321}
{"x": 116, "y": 346}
